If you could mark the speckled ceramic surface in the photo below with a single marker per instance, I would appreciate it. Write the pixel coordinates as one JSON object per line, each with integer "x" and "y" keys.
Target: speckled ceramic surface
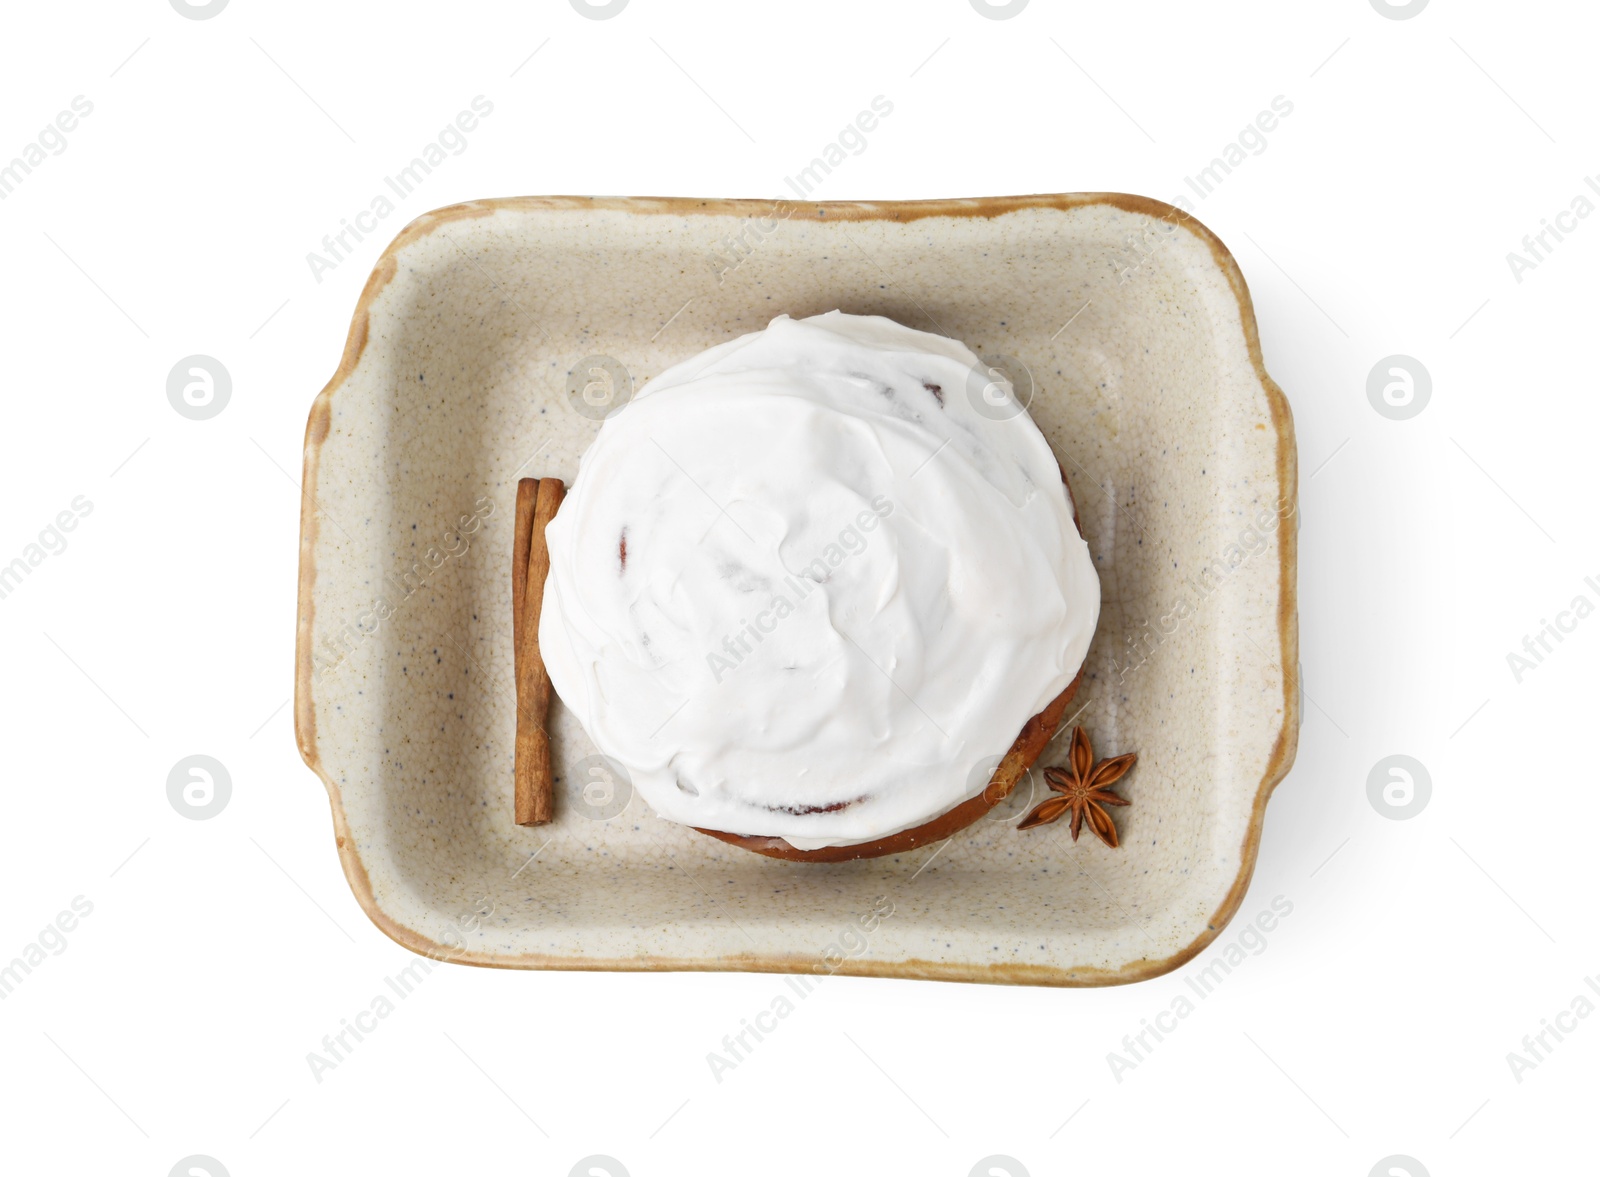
{"x": 1138, "y": 333}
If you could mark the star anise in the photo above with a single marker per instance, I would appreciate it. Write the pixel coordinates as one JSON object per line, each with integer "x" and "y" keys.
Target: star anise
{"x": 1082, "y": 785}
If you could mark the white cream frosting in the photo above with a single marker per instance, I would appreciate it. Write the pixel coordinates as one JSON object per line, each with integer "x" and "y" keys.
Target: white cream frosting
{"x": 802, "y": 586}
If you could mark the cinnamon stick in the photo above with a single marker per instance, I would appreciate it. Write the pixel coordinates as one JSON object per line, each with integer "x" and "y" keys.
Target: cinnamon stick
{"x": 526, "y": 488}
{"x": 535, "y": 793}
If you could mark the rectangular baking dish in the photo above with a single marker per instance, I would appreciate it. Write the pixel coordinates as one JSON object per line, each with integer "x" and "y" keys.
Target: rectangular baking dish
{"x": 484, "y": 339}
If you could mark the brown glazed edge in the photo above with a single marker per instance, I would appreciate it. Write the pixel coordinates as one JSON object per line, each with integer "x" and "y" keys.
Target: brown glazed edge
{"x": 1278, "y": 763}
{"x": 1024, "y": 750}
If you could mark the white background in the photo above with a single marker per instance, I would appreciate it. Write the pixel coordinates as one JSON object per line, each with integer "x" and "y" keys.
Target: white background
{"x": 1378, "y": 1020}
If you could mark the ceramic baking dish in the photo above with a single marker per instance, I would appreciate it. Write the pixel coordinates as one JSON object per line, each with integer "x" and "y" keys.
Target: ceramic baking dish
{"x": 488, "y": 343}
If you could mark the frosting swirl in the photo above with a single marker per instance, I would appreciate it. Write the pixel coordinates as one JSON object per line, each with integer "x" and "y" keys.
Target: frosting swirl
{"x": 803, "y": 585}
